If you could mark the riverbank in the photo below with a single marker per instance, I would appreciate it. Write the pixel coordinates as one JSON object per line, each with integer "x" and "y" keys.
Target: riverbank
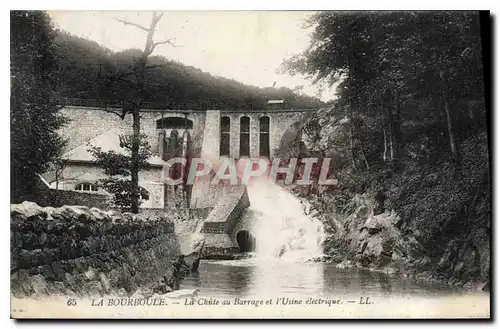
{"x": 376, "y": 243}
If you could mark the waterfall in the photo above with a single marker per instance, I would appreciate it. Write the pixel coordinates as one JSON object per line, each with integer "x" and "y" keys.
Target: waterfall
{"x": 280, "y": 227}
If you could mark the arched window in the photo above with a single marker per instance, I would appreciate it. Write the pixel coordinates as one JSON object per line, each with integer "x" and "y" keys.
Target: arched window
{"x": 244, "y": 136}
{"x": 264, "y": 136}
{"x": 174, "y": 123}
{"x": 143, "y": 194}
{"x": 146, "y": 200}
{"x": 86, "y": 187}
{"x": 225, "y": 136}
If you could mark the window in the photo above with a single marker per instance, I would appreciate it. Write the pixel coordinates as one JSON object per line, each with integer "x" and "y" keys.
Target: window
{"x": 225, "y": 137}
{"x": 244, "y": 136}
{"x": 86, "y": 187}
{"x": 143, "y": 194}
{"x": 264, "y": 136}
{"x": 174, "y": 123}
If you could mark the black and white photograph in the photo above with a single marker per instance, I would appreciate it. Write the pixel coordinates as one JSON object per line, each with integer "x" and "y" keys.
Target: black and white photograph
{"x": 261, "y": 164}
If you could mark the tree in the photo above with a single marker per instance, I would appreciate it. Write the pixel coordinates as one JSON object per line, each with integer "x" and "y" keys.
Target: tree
{"x": 118, "y": 166}
{"x": 135, "y": 78}
{"x": 33, "y": 108}
{"x": 396, "y": 69}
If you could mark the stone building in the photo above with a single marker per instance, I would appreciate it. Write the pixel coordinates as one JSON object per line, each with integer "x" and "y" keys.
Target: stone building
{"x": 231, "y": 133}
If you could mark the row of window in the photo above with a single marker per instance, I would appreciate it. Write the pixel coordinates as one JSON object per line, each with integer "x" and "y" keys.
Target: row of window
{"x": 89, "y": 187}
{"x": 225, "y": 136}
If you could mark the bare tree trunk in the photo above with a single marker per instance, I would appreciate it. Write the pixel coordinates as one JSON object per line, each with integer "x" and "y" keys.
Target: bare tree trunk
{"x": 134, "y": 169}
{"x": 384, "y": 155}
{"x": 364, "y": 156}
{"x": 396, "y": 130}
{"x": 391, "y": 134}
{"x": 352, "y": 148}
{"x": 136, "y": 113}
{"x": 451, "y": 136}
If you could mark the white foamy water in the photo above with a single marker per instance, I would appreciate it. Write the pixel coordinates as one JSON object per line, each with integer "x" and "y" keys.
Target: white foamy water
{"x": 280, "y": 228}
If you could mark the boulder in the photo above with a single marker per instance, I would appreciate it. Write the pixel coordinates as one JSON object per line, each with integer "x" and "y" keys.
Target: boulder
{"x": 79, "y": 213}
{"x": 129, "y": 217}
{"x": 115, "y": 216}
{"x": 27, "y": 211}
{"x": 99, "y": 215}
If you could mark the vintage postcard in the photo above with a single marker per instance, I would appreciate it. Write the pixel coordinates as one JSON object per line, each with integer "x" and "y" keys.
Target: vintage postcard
{"x": 250, "y": 164}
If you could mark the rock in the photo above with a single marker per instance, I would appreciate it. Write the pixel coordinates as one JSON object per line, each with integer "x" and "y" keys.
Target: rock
{"x": 90, "y": 274}
{"x": 70, "y": 281}
{"x": 105, "y": 283}
{"x": 115, "y": 216}
{"x": 164, "y": 285}
{"x": 122, "y": 292}
{"x": 183, "y": 293}
{"x": 191, "y": 246}
{"x": 99, "y": 215}
{"x": 314, "y": 213}
{"x": 137, "y": 295}
{"x": 39, "y": 285}
{"x": 21, "y": 284}
{"x": 47, "y": 272}
{"x": 94, "y": 288}
{"x": 486, "y": 286}
{"x": 395, "y": 219}
{"x": 49, "y": 211}
{"x": 27, "y": 211}
{"x": 80, "y": 213}
{"x": 145, "y": 292}
{"x": 58, "y": 288}
{"x": 58, "y": 270}
{"x": 129, "y": 217}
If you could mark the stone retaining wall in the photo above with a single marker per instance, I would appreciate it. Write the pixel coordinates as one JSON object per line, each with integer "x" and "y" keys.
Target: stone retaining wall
{"x": 74, "y": 250}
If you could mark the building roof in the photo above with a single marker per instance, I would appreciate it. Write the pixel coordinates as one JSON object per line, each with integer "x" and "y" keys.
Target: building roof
{"x": 108, "y": 141}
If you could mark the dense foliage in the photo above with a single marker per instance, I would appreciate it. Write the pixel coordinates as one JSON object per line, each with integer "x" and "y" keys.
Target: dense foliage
{"x": 166, "y": 81}
{"x": 410, "y": 119}
{"x": 33, "y": 110}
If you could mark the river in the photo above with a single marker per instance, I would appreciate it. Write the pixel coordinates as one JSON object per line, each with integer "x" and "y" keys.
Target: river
{"x": 285, "y": 240}
{"x": 279, "y": 282}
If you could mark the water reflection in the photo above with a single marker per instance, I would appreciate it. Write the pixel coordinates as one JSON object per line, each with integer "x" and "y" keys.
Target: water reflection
{"x": 240, "y": 279}
{"x": 251, "y": 277}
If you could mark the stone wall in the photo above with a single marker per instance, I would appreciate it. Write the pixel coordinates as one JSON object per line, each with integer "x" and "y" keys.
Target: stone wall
{"x": 87, "y": 123}
{"x": 75, "y": 250}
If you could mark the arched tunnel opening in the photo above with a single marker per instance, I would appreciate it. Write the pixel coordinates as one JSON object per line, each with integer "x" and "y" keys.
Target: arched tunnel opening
{"x": 246, "y": 241}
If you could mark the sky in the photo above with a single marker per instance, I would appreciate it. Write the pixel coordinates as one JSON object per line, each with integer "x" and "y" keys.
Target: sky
{"x": 248, "y": 46}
